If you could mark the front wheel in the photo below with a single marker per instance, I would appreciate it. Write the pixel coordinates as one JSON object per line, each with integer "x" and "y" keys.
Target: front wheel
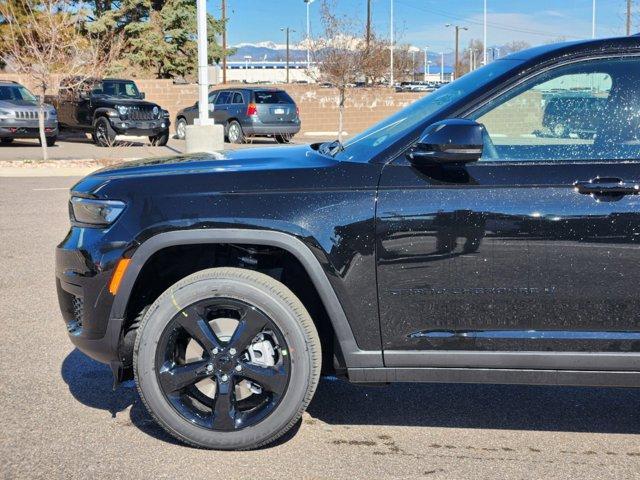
{"x": 181, "y": 128}
{"x": 6, "y": 141}
{"x": 227, "y": 358}
{"x": 160, "y": 140}
{"x": 103, "y": 134}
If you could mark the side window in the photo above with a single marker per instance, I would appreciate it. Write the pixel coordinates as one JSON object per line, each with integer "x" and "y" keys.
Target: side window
{"x": 237, "y": 98}
{"x": 583, "y": 111}
{"x": 212, "y": 97}
{"x": 223, "y": 98}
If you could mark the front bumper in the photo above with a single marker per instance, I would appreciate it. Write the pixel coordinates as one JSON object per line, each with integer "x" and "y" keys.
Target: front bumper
{"x": 144, "y": 128}
{"x": 18, "y": 128}
{"x": 84, "y": 266}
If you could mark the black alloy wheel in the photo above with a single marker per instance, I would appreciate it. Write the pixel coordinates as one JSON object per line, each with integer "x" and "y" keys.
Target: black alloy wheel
{"x": 227, "y": 364}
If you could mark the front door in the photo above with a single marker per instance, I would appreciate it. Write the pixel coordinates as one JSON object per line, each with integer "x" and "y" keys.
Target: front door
{"x": 533, "y": 249}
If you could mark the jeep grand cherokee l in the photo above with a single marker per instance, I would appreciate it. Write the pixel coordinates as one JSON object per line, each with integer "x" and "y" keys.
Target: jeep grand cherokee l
{"x": 447, "y": 243}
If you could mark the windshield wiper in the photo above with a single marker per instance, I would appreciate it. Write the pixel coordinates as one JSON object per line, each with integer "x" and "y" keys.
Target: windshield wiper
{"x": 331, "y": 148}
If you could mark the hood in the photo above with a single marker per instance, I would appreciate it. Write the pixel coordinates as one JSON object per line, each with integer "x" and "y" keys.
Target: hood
{"x": 276, "y": 158}
{"x": 260, "y": 161}
{"x": 17, "y": 103}
{"x": 126, "y": 101}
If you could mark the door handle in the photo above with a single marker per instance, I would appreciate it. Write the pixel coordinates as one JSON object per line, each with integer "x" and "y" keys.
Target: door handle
{"x": 611, "y": 186}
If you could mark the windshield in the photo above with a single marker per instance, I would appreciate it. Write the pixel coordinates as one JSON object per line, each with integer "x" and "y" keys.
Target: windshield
{"x": 15, "y": 93}
{"x": 375, "y": 139}
{"x": 123, "y": 88}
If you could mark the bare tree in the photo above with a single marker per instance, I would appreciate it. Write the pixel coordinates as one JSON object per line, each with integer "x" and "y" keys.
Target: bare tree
{"x": 45, "y": 39}
{"x": 342, "y": 57}
{"x": 514, "y": 46}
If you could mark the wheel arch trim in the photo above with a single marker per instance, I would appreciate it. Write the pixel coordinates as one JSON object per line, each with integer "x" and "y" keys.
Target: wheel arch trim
{"x": 353, "y": 355}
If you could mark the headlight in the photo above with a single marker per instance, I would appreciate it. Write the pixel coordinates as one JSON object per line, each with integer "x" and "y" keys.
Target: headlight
{"x": 122, "y": 110}
{"x": 156, "y": 112}
{"x": 95, "y": 212}
{"x": 6, "y": 114}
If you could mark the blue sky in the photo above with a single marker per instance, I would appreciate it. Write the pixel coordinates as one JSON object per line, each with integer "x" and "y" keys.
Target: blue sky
{"x": 421, "y": 22}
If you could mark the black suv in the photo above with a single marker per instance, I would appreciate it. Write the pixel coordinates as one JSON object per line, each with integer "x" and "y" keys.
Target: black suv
{"x": 447, "y": 243}
{"x": 110, "y": 107}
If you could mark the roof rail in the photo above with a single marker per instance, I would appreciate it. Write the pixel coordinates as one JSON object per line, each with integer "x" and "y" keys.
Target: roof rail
{"x": 9, "y": 81}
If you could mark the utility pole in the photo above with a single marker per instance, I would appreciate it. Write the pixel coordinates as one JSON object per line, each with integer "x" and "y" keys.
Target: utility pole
{"x": 224, "y": 41}
{"x": 392, "y": 45}
{"x": 456, "y": 62}
{"x": 368, "y": 22}
{"x": 287, "y": 30}
{"x": 628, "y": 18}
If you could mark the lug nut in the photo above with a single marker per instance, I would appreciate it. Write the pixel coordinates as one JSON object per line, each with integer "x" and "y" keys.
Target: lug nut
{"x": 232, "y": 351}
{"x": 224, "y": 377}
{"x": 210, "y": 367}
{"x": 214, "y": 351}
{"x": 238, "y": 368}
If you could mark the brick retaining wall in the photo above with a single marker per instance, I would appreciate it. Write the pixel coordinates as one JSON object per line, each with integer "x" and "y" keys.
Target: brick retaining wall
{"x": 318, "y": 106}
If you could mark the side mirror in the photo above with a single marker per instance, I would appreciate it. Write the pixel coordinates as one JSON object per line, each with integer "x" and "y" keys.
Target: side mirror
{"x": 84, "y": 95}
{"x": 448, "y": 142}
{"x": 211, "y": 107}
{"x": 142, "y": 95}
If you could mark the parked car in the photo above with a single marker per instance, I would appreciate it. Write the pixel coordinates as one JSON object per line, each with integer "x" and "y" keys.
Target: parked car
{"x": 570, "y": 114}
{"x": 425, "y": 249}
{"x": 109, "y": 107}
{"x": 19, "y": 114}
{"x": 247, "y": 112}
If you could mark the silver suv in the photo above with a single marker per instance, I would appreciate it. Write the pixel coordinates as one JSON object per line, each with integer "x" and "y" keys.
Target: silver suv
{"x": 248, "y": 112}
{"x": 19, "y": 115}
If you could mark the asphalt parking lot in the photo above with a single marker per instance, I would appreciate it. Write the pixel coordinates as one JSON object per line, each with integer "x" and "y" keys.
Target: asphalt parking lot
{"x": 61, "y": 418}
{"x": 78, "y": 146}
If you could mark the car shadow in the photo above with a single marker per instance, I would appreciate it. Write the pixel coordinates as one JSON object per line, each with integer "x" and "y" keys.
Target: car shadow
{"x": 24, "y": 143}
{"x": 338, "y": 402}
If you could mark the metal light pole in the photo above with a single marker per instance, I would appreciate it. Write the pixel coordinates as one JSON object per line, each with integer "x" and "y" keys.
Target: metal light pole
{"x": 484, "y": 35}
{"x": 458, "y": 28}
{"x": 593, "y": 19}
{"x": 203, "y": 77}
{"x": 441, "y": 67}
{"x": 426, "y": 64}
{"x": 308, "y": 2}
{"x": 287, "y": 30}
{"x": 413, "y": 65}
{"x": 392, "y": 45}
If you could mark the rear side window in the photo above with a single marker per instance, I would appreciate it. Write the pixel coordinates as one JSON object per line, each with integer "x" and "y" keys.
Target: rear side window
{"x": 237, "y": 98}
{"x": 272, "y": 96}
{"x": 223, "y": 98}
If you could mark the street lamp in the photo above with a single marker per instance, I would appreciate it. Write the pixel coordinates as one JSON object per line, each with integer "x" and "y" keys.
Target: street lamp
{"x": 457, "y": 28}
{"x": 247, "y": 59}
{"x": 392, "y": 44}
{"x": 287, "y": 30}
{"x": 308, "y": 2}
{"x": 441, "y": 67}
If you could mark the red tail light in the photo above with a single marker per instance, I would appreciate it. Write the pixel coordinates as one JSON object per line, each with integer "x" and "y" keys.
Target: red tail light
{"x": 252, "y": 109}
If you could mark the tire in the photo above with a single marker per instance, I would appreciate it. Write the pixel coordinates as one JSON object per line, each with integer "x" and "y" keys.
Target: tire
{"x": 260, "y": 297}
{"x": 160, "y": 140}
{"x": 181, "y": 128}
{"x": 6, "y": 141}
{"x": 234, "y": 132}
{"x": 51, "y": 141}
{"x": 103, "y": 134}
{"x": 283, "y": 138}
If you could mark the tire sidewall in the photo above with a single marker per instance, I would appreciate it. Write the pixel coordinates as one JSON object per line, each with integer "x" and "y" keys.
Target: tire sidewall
{"x": 187, "y": 292}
